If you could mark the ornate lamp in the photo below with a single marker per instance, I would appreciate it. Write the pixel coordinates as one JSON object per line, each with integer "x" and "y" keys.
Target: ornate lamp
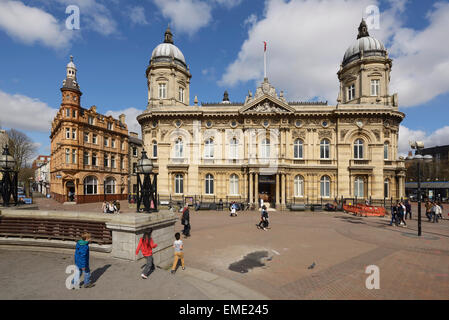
{"x": 9, "y": 180}
{"x": 147, "y": 187}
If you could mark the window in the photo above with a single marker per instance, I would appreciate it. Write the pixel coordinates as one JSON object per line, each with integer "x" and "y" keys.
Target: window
{"x": 162, "y": 91}
{"x": 181, "y": 94}
{"x": 113, "y": 143}
{"x": 179, "y": 184}
{"x": 86, "y": 137}
{"x": 386, "y": 155}
{"x": 90, "y": 185}
{"x": 179, "y": 150}
{"x": 234, "y": 148}
{"x": 209, "y": 148}
{"x": 265, "y": 152}
{"x": 134, "y": 152}
{"x": 74, "y": 113}
{"x": 67, "y": 155}
{"x": 94, "y": 159}
{"x": 386, "y": 188}
{"x": 106, "y": 160}
{"x": 325, "y": 187}
{"x": 154, "y": 149}
{"x": 351, "y": 92}
{"x": 73, "y": 156}
{"x": 74, "y": 134}
{"x": 113, "y": 162}
{"x": 109, "y": 126}
{"x": 324, "y": 149}
{"x": 358, "y": 149}
{"x": 106, "y": 142}
{"x": 86, "y": 158}
{"x": 298, "y": 152}
{"x": 94, "y": 139}
{"x": 67, "y": 133}
{"x": 299, "y": 186}
{"x": 122, "y": 145}
{"x": 109, "y": 186}
{"x": 90, "y": 120}
{"x": 234, "y": 185}
{"x": 67, "y": 112}
{"x": 209, "y": 184}
{"x": 135, "y": 167}
{"x": 122, "y": 164}
{"x": 375, "y": 86}
{"x": 359, "y": 187}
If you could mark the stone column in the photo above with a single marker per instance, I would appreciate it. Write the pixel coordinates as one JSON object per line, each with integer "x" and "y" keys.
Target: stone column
{"x": 244, "y": 191}
{"x": 369, "y": 187}
{"x": 251, "y": 198}
{"x": 287, "y": 187}
{"x": 283, "y": 191}
{"x": 401, "y": 187}
{"x": 277, "y": 191}
{"x": 256, "y": 189}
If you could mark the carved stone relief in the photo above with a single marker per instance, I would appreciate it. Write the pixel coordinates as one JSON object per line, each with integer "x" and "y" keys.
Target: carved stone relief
{"x": 377, "y": 134}
{"x": 343, "y": 133}
{"x": 325, "y": 134}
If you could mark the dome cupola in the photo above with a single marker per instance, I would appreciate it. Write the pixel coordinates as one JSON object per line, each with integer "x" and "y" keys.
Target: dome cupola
{"x": 167, "y": 51}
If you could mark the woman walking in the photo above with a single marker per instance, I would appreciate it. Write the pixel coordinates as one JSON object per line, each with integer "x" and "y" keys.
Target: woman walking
{"x": 147, "y": 245}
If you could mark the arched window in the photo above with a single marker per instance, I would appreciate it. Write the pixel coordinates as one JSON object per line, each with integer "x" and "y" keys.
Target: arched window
{"x": 209, "y": 148}
{"x": 358, "y": 149}
{"x": 233, "y": 146}
{"x": 359, "y": 187}
{"x": 154, "y": 149}
{"x": 109, "y": 186}
{"x": 299, "y": 186}
{"x": 386, "y": 188}
{"x": 386, "y": 149}
{"x": 209, "y": 184}
{"x": 325, "y": 187}
{"x": 179, "y": 148}
{"x": 90, "y": 185}
{"x": 265, "y": 148}
{"x": 234, "y": 185}
{"x": 325, "y": 149}
{"x": 298, "y": 151}
{"x": 179, "y": 184}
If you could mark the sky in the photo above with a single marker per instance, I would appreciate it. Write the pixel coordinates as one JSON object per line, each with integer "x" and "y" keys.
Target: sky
{"x": 222, "y": 41}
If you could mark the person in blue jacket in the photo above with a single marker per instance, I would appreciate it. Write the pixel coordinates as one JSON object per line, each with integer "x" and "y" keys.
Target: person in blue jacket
{"x": 82, "y": 261}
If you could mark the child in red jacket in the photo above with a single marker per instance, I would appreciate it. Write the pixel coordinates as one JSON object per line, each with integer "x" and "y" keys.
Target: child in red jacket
{"x": 147, "y": 245}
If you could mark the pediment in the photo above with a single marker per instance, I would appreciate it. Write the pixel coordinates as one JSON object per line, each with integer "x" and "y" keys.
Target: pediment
{"x": 267, "y": 105}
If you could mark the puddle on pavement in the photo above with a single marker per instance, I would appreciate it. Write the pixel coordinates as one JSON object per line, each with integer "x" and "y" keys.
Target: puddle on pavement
{"x": 250, "y": 261}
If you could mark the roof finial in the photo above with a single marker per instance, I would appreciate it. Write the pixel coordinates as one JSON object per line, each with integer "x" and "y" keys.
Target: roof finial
{"x": 71, "y": 58}
{"x": 363, "y": 30}
{"x": 168, "y": 35}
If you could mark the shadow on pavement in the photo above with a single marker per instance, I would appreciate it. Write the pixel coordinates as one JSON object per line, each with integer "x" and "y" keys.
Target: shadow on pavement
{"x": 351, "y": 220}
{"x": 99, "y": 272}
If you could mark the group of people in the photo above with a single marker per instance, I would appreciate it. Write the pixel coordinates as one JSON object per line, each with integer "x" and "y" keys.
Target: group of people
{"x": 111, "y": 207}
{"x": 434, "y": 210}
{"x": 399, "y": 213}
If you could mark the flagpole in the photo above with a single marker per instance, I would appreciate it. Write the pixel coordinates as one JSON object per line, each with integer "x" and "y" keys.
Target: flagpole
{"x": 265, "y": 60}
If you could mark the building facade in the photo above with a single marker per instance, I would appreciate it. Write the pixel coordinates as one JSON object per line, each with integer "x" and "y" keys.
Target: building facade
{"x": 40, "y": 160}
{"x": 42, "y": 178}
{"x": 89, "y": 151}
{"x": 135, "y": 153}
{"x": 269, "y": 148}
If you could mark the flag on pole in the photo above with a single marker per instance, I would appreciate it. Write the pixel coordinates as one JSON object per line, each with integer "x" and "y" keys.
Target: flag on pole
{"x": 265, "y": 46}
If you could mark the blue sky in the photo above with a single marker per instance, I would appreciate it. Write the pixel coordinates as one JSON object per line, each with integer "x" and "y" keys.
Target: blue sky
{"x": 222, "y": 43}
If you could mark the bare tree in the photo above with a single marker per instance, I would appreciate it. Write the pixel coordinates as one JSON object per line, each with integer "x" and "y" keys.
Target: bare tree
{"x": 21, "y": 148}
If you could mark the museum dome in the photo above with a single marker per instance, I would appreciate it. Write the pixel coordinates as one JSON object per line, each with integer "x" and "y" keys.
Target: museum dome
{"x": 369, "y": 45}
{"x": 167, "y": 50}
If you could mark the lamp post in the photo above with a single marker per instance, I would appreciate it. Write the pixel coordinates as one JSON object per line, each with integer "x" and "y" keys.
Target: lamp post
{"x": 9, "y": 180}
{"x": 418, "y": 158}
{"x": 146, "y": 189}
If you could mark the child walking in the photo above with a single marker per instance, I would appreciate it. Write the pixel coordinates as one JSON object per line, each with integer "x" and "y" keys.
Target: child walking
{"x": 82, "y": 262}
{"x": 147, "y": 245}
{"x": 179, "y": 254}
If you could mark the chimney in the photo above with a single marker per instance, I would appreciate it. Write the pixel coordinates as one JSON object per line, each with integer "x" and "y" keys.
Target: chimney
{"x": 122, "y": 118}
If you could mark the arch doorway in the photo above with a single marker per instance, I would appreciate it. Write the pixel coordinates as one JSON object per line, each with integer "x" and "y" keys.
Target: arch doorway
{"x": 70, "y": 191}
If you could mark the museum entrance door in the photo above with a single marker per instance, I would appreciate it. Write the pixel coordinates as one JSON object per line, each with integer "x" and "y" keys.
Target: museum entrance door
{"x": 267, "y": 190}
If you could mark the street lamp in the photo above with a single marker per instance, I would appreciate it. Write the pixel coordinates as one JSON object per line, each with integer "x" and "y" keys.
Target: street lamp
{"x": 418, "y": 158}
{"x": 9, "y": 180}
{"x": 148, "y": 188}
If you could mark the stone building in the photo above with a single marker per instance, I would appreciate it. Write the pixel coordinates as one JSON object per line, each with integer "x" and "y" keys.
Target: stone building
{"x": 89, "y": 151}
{"x": 135, "y": 153}
{"x": 269, "y": 148}
{"x": 3, "y": 139}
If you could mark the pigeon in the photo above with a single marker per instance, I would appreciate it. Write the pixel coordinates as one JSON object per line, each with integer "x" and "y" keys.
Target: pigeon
{"x": 312, "y": 266}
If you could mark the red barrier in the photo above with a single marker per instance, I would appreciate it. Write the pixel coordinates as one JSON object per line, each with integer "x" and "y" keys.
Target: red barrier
{"x": 365, "y": 211}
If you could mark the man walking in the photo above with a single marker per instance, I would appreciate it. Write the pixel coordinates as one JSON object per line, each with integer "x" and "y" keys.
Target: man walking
{"x": 185, "y": 221}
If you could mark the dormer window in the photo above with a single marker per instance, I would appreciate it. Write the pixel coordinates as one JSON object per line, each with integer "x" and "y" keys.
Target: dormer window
{"x": 90, "y": 120}
{"x": 351, "y": 92}
{"x": 109, "y": 126}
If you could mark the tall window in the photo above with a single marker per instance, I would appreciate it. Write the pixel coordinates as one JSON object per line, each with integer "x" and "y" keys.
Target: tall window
{"x": 234, "y": 148}
{"x": 67, "y": 133}
{"x": 110, "y": 186}
{"x": 106, "y": 141}
{"x": 86, "y": 137}
{"x": 179, "y": 184}
{"x": 74, "y": 134}
{"x": 359, "y": 187}
{"x": 351, "y": 92}
{"x": 234, "y": 185}
{"x": 209, "y": 184}
{"x": 375, "y": 87}
{"x": 358, "y": 149}
{"x": 299, "y": 186}
{"x": 162, "y": 90}
{"x": 74, "y": 113}
{"x": 90, "y": 185}
{"x": 265, "y": 148}
{"x": 73, "y": 156}
{"x": 179, "y": 150}
{"x": 67, "y": 112}
{"x": 135, "y": 167}
{"x": 209, "y": 148}
{"x": 113, "y": 162}
{"x": 106, "y": 160}
{"x": 386, "y": 188}
{"x": 113, "y": 143}
{"x": 67, "y": 155}
{"x": 181, "y": 94}
{"x": 94, "y": 159}
{"x": 134, "y": 152}
{"x": 324, "y": 149}
{"x": 154, "y": 149}
{"x": 86, "y": 158}
{"x": 325, "y": 187}
{"x": 122, "y": 164}
{"x": 109, "y": 125}
{"x": 386, "y": 155}
{"x": 94, "y": 139}
{"x": 90, "y": 120}
{"x": 298, "y": 149}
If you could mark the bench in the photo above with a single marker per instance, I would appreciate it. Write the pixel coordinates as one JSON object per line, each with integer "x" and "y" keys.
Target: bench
{"x": 297, "y": 207}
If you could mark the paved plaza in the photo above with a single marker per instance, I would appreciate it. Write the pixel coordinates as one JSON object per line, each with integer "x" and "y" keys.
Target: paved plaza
{"x": 229, "y": 258}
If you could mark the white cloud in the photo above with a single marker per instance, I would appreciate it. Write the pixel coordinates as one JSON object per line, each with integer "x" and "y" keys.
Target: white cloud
{"x": 30, "y": 25}
{"x": 307, "y": 40}
{"x": 137, "y": 15}
{"x": 439, "y": 137}
{"x": 131, "y": 115}
{"x": 23, "y": 113}
{"x": 250, "y": 21}
{"x": 229, "y": 3}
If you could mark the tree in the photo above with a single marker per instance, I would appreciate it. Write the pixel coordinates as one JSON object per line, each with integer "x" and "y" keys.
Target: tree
{"x": 21, "y": 147}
